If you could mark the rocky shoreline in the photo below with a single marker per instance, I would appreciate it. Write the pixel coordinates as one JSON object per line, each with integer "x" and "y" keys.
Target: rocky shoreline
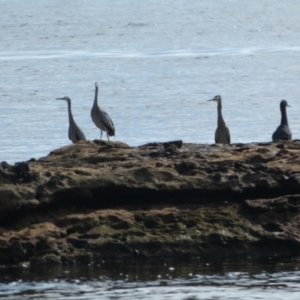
{"x": 86, "y": 202}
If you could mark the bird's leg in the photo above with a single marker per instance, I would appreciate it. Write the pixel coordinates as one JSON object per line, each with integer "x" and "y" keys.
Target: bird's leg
{"x": 100, "y": 137}
{"x": 107, "y": 137}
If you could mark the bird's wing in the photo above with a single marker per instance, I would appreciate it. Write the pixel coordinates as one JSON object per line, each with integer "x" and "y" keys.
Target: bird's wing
{"x": 222, "y": 137}
{"x": 228, "y": 135}
{"x": 217, "y": 136}
{"x": 276, "y": 134}
{"x": 108, "y": 123}
{"x": 282, "y": 132}
{"x": 79, "y": 134}
{"x": 288, "y": 132}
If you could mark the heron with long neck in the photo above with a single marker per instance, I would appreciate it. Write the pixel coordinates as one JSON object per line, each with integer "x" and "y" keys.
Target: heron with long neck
{"x": 222, "y": 134}
{"x": 283, "y": 131}
{"x": 75, "y": 133}
{"x": 101, "y": 118}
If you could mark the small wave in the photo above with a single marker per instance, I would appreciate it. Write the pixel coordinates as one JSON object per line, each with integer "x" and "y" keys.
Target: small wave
{"x": 27, "y": 55}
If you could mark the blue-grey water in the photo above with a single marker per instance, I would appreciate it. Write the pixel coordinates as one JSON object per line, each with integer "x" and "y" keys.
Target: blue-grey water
{"x": 157, "y": 63}
{"x": 248, "y": 280}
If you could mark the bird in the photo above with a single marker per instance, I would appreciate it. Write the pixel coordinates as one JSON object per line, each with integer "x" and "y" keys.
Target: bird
{"x": 75, "y": 133}
{"x": 283, "y": 131}
{"x": 222, "y": 134}
{"x": 101, "y": 118}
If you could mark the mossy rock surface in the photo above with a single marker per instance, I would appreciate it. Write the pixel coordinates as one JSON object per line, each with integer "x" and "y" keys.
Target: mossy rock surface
{"x": 89, "y": 201}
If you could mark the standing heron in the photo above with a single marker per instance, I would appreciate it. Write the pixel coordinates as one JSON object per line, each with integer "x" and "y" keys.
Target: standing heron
{"x": 222, "y": 134}
{"x": 75, "y": 133}
{"x": 101, "y": 118}
{"x": 283, "y": 131}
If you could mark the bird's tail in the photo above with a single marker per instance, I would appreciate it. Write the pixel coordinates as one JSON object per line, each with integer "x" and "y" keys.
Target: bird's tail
{"x": 111, "y": 132}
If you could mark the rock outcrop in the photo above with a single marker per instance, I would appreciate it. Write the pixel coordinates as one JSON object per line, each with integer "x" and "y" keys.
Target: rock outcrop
{"x": 85, "y": 203}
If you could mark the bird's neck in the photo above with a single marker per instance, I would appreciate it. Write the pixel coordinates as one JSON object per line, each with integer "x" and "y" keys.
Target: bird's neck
{"x": 96, "y": 97}
{"x": 71, "y": 120}
{"x": 284, "y": 119}
{"x": 220, "y": 117}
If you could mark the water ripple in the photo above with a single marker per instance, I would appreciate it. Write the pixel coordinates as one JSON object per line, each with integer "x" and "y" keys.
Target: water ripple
{"x": 128, "y": 285}
{"x": 24, "y": 55}
{"x": 216, "y": 289}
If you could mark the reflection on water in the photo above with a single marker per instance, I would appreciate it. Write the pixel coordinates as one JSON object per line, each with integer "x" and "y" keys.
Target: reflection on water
{"x": 185, "y": 280}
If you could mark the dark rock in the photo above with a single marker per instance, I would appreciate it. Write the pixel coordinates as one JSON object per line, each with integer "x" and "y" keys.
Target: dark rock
{"x": 78, "y": 243}
{"x": 272, "y": 227}
{"x": 48, "y": 259}
{"x": 171, "y": 150}
{"x": 87, "y": 202}
{"x": 177, "y": 144}
{"x": 5, "y": 165}
{"x": 186, "y": 167}
{"x": 263, "y": 182}
{"x": 154, "y": 154}
{"x": 21, "y": 168}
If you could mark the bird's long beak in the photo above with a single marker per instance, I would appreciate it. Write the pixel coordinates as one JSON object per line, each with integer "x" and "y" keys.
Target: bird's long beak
{"x": 59, "y": 99}
{"x": 211, "y": 100}
{"x": 288, "y": 105}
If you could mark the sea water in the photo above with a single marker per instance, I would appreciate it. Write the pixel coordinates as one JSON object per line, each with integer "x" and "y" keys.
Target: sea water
{"x": 157, "y": 63}
{"x": 193, "y": 280}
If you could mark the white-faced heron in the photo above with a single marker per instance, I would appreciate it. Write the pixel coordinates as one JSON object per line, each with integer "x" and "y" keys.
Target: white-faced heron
{"x": 101, "y": 118}
{"x": 75, "y": 133}
{"x": 283, "y": 131}
{"x": 222, "y": 134}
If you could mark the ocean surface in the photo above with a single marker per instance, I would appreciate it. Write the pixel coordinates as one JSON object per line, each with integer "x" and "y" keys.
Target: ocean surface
{"x": 157, "y": 63}
{"x": 194, "y": 280}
